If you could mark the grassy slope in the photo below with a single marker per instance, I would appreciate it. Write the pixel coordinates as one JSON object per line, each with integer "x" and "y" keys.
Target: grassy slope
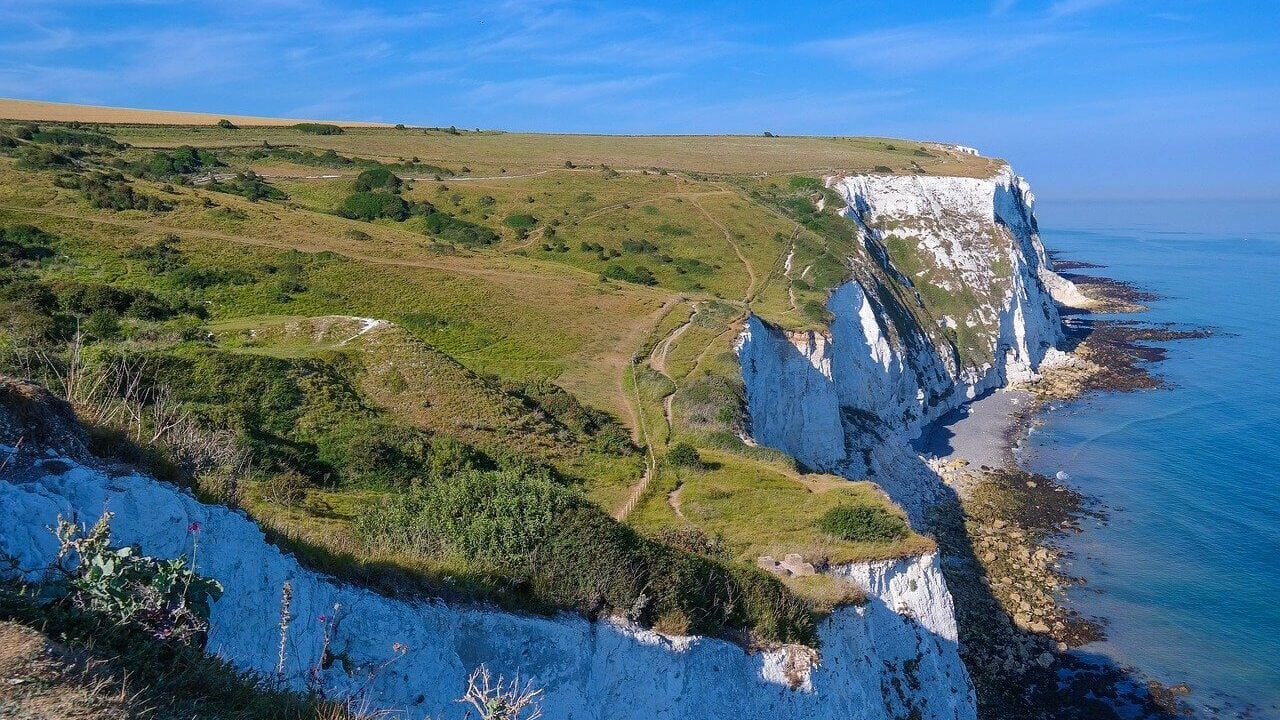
{"x": 532, "y": 306}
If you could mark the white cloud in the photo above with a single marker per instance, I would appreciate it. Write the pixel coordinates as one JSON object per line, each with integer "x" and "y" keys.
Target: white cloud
{"x": 1066, "y": 8}
{"x": 559, "y": 89}
{"x": 930, "y": 47}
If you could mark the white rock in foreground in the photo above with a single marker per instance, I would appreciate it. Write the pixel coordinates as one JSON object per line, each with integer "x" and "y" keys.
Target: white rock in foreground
{"x": 894, "y": 657}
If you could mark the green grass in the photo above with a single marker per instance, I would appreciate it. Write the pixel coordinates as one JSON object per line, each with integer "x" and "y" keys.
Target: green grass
{"x": 503, "y": 337}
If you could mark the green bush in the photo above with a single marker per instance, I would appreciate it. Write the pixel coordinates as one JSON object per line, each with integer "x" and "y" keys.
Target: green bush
{"x": 521, "y": 221}
{"x": 110, "y": 191}
{"x": 25, "y": 244}
{"x": 562, "y": 551}
{"x": 226, "y": 124}
{"x": 250, "y": 186}
{"x": 863, "y": 522}
{"x": 161, "y": 257}
{"x": 378, "y": 178}
{"x": 318, "y": 128}
{"x": 63, "y": 136}
{"x": 35, "y": 157}
{"x": 800, "y": 182}
{"x": 460, "y": 232}
{"x": 641, "y": 275}
{"x": 682, "y": 454}
{"x": 185, "y": 160}
{"x": 369, "y": 206}
{"x": 637, "y": 247}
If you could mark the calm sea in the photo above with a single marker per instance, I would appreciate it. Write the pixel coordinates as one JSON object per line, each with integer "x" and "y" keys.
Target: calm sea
{"x": 1187, "y": 567}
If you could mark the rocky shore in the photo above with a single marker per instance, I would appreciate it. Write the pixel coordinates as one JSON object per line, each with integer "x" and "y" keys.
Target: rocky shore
{"x": 1000, "y": 538}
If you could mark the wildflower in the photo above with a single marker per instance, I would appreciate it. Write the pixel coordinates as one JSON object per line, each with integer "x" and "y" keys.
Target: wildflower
{"x": 194, "y": 527}
{"x": 399, "y": 648}
{"x": 322, "y": 618}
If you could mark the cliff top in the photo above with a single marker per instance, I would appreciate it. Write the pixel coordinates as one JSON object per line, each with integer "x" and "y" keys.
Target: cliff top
{"x": 363, "y": 309}
{"x": 487, "y": 152}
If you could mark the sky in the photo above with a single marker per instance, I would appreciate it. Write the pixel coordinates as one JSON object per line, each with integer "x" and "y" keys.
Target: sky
{"x": 1090, "y": 99}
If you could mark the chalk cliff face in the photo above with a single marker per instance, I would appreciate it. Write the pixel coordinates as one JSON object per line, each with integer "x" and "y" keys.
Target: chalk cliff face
{"x": 953, "y": 296}
{"x": 979, "y": 312}
{"x": 893, "y": 657}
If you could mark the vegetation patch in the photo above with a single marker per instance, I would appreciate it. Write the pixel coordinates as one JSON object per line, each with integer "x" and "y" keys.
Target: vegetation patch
{"x": 863, "y": 523}
{"x": 318, "y": 129}
{"x": 565, "y": 551}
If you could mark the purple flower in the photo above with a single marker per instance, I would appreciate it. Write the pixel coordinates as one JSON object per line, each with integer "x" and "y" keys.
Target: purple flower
{"x": 322, "y": 618}
{"x": 194, "y": 527}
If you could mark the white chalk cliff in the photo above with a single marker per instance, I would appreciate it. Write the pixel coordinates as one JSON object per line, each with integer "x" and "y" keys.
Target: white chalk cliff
{"x": 893, "y": 657}
{"x": 848, "y": 399}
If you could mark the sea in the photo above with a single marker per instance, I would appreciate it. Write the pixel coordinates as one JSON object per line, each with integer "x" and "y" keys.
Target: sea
{"x": 1185, "y": 567}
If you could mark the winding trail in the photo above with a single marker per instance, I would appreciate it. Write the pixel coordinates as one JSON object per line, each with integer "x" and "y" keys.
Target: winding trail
{"x": 728, "y": 236}
{"x": 658, "y": 356}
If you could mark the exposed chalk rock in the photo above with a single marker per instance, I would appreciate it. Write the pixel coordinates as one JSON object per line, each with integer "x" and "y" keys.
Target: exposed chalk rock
{"x": 896, "y": 656}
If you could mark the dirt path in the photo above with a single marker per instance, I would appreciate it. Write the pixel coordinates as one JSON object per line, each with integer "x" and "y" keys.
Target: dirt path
{"x": 650, "y": 461}
{"x": 673, "y": 499}
{"x": 658, "y": 357}
{"x": 728, "y": 236}
{"x": 636, "y": 339}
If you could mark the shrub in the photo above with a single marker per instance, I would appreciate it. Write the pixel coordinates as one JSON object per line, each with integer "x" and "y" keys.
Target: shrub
{"x": 161, "y": 257}
{"x": 34, "y": 157}
{"x": 318, "y": 128}
{"x": 102, "y": 324}
{"x": 521, "y": 221}
{"x": 185, "y": 160}
{"x": 800, "y": 182}
{"x": 199, "y": 278}
{"x": 23, "y": 244}
{"x": 288, "y": 488}
{"x": 226, "y": 124}
{"x": 378, "y": 178}
{"x": 641, "y": 275}
{"x": 250, "y": 186}
{"x": 691, "y": 539}
{"x": 64, "y": 136}
{"x": 562, "y": 551}
{"x": 682, "y": 454}
{"x": 110, "y": 191}
{"x": 164, "y": 598}
{"x": 637, "y": 247}
{"x": 460, "y": 232}
{"x": 863, "y": 522}
{"x": 370, "y": 206}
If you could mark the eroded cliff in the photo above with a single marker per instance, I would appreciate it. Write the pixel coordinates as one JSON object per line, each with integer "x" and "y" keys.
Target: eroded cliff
{"x": 953, "y": 297}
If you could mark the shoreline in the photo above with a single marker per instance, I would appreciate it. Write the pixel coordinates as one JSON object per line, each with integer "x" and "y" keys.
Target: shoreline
{"x": 1002, "y": 538}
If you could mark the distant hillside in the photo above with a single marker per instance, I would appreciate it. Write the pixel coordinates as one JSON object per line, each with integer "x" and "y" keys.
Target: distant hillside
{"x": 11, "y": 109}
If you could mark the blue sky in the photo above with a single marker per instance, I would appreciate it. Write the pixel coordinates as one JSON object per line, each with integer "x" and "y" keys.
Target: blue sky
{"x": 1088, "y": 98}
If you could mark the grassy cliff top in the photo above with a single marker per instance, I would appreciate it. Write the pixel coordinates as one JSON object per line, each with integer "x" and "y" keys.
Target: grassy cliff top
{"x": 491, "y": 150}
{"x": 563, "y": 304}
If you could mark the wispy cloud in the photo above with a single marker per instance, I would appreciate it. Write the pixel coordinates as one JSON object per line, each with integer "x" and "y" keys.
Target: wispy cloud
{"x": 559, "y": 90}
{"x": 930, "y": 47}
{"x": 1067, "y": 8}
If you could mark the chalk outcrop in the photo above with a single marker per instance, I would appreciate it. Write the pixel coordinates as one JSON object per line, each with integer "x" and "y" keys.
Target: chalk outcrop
{"x": 893, "y": 657}
{"x": 980, "y": 314}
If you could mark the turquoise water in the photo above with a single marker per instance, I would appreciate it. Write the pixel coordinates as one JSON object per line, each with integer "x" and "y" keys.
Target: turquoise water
{"x": 1186, "y": 568}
